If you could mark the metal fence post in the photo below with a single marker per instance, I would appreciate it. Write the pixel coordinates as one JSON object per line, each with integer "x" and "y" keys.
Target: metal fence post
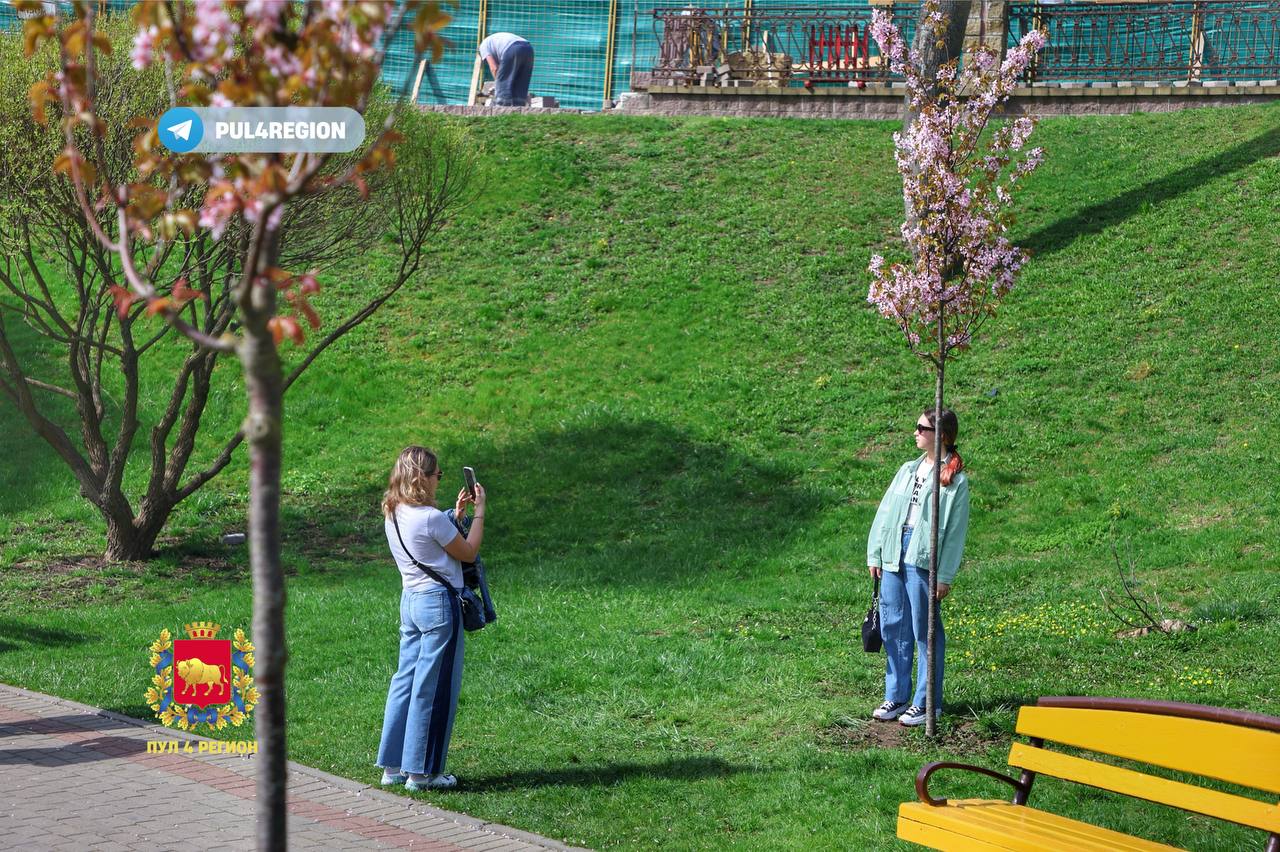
{"x": 609, "y": 45}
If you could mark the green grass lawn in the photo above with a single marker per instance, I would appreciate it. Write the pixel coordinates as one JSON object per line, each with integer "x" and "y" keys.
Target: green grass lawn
{"x": 651, "y": 339}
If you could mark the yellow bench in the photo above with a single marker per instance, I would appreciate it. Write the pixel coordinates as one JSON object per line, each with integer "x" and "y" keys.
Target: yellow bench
{"x": 1228, "y": 745}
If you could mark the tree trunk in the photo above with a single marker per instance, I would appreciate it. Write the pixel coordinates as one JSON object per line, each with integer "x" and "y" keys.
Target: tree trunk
{"x": 129, "y": 543}
{"x": 933, "y": 52}
{"x": 930, "y": 699}
{"x": 264, "y": 384}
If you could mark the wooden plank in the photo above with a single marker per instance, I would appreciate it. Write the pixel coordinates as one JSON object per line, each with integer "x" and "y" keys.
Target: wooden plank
{"x": 1245, "y": 756}
{"x": 1117, "y": 779}
{"x": 1018, "y": 827}
{"x": 477, "y": 73}
{"x": 475, "y": 82}
{"x": 417, "y": 84}
{"x": 936, "y": 837}
{"x": 1073, "y": 833}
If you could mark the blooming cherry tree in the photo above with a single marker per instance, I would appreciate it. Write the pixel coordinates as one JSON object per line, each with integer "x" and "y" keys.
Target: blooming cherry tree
{"x": 958, "y": 184}
{"x": 259, "y": 53}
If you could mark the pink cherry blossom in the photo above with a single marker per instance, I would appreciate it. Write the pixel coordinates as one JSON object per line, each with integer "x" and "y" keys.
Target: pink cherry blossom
{"x": 144, "y": 44}
{"x": 957, "y": 188}
{"x": 214, "y": 32}
{"x": 282, "y": 61}
{"x": 219, "y": 206}
{"x": 264, "y": 11}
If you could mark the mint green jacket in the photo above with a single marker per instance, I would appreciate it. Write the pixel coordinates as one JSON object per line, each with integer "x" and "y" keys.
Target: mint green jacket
{"x": 884, "y": 544}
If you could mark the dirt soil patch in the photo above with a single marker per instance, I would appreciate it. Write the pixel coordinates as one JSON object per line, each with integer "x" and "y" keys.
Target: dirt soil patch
{"x": 962, "y": 738}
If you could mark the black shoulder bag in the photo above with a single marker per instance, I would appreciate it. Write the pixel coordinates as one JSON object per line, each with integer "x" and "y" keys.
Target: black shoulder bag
{"x": 472, "y": 609}
{"x": 872, "y": 641}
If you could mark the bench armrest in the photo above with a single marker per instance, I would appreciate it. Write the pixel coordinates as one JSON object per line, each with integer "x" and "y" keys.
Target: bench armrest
{"x": 926, "y": 771}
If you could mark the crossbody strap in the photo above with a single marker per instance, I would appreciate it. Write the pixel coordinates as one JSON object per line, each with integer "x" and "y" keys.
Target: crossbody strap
{"x": 426, "y": 569}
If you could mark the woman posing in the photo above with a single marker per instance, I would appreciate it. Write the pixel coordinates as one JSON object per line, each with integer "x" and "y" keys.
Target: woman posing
{"x": 898, "y": 554}
{"x": 423, "y": 697}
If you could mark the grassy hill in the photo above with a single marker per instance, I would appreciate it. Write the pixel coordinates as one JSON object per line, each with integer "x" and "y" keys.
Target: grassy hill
{"x": 651, "y": 339}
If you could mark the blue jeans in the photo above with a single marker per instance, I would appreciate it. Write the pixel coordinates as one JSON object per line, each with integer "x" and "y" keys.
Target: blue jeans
{"x": 423, "y": 697}
{"x": 511, "y": 88}
{"x": 904, "y": 624}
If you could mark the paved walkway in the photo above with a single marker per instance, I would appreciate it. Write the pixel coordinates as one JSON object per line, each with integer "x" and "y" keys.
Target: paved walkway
{"x": 75, "y": 777}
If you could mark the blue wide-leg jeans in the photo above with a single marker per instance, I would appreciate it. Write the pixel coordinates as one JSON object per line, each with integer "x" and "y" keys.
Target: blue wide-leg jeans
{"x": 904, "y": 624}
{"x": 515, "y": 69}
{"x": 423, "y": 697}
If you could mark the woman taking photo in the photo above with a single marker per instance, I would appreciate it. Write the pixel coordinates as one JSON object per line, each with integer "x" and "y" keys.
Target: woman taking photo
{"x": 423, "y": 697}
{"x": 898, "y": 555}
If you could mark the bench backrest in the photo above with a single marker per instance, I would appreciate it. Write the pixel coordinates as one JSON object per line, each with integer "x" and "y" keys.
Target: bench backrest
{"x": 1234, "y": 746}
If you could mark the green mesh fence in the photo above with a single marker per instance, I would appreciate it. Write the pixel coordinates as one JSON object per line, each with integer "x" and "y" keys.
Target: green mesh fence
{"x": 570, "y": 41}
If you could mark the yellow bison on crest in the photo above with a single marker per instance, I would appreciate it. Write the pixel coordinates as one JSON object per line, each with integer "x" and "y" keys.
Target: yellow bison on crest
{"x": 195, "y": 672}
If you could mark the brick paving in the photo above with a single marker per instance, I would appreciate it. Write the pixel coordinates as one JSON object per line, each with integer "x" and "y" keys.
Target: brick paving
{"x": 75, "y": 777}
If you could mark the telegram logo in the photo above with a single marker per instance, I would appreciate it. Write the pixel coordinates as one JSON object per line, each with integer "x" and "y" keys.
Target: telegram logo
{"x": 181, "y": 129}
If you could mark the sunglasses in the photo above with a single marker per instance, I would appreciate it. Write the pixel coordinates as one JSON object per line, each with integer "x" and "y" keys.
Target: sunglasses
{"x": 920, "y": 428}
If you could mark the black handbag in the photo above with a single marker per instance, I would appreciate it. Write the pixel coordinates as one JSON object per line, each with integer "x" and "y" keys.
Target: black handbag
{"x": 872, "y": 641}
{"x": 472, "y": 607}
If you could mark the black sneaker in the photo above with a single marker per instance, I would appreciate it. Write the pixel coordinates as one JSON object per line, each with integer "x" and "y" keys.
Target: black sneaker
{"x": 915, "y": 716}
{"x": 888, "y": 711}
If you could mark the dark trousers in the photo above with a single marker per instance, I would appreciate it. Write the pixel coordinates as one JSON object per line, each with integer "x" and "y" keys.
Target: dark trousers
{"x": 514, "y": 70}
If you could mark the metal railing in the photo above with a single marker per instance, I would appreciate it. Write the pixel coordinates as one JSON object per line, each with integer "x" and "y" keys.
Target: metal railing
{"x": 759, "y": 47}
{"x": 1212, "y": 40}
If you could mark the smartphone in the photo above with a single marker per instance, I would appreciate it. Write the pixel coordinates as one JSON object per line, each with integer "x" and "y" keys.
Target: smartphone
{"x": 469, "y": 474}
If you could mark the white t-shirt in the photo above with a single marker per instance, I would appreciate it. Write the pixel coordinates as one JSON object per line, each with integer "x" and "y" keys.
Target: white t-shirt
{"x": 497, "y": 45}
{"x": 924, "y": 475}
{"x": 426, "y": 530}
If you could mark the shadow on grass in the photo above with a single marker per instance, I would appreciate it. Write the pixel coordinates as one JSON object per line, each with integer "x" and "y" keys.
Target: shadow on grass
{"x": 604, "y": 504}
{"x": 29, "y": 461}
{"x": 606, "y": 775}
{"x": 16, "y": 634}
{"x": 1099, "y": 217}
{"x": 609, "y": 502}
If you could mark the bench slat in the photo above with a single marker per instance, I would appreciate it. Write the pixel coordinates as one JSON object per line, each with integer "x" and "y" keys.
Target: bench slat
{"x": 1117, "y": 779}
{"x": 1239, "y": 755}
{"x": 992, "y": 824}
{"x": 1054, "y": 830}
{"x": 936, "y": 837}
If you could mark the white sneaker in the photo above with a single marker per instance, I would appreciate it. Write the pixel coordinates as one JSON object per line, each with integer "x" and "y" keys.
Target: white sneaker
{"x": 391, "y": 779}
{"x": 888, "y": 711}
{"x": 916, "y": 716}
{"x": 435, "y": 782}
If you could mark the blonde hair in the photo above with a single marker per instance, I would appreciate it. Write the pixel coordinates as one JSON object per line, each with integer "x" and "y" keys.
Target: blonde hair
{"x": 413, "y": 480}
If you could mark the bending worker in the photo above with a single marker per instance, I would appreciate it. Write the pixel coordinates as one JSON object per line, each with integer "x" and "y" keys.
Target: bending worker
{"x": 510, "y": 60}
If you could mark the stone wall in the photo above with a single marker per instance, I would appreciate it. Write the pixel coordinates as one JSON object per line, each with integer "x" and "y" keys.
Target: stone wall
{"x": 884, "y": 101}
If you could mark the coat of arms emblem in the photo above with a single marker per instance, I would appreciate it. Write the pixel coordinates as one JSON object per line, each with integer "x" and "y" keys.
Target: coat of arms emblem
{"x": 202, "y": 680}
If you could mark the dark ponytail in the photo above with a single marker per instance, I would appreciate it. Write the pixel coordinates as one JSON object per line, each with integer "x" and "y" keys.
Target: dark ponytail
{"x": 949, "y": 424}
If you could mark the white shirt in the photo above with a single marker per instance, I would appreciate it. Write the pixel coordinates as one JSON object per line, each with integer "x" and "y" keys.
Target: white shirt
{"x": 924, "y": 474}
{"x": 426, "y": 531}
